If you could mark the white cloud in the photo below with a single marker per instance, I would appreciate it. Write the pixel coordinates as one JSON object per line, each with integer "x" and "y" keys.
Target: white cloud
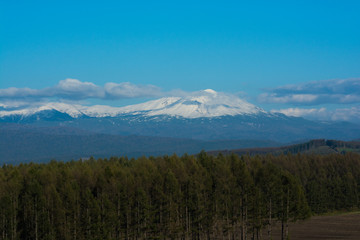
{"x": 17, "y": 92}
{"x": 73, "y": 89}
{"x": 347, "y": 114}
{"x": 351, "y": 114}
{"x": 350, "y": 98}
{"x": 12, "y": 104}
{"x": 129, "y": 90}
{"x": 343, "y": 91}
{"x": 77, "y": 89}
{"x": 294, "y": 98}
{"x": 303, "y": 112}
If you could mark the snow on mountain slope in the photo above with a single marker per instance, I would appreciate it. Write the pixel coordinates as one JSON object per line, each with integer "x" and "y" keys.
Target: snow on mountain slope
{"x": 72, "y": 110}
{"x": 205, "y": 103}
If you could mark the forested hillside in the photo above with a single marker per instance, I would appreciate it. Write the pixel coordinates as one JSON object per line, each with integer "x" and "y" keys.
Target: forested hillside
{"x": 316, "y": 146}
{"x": 171, "y": 197}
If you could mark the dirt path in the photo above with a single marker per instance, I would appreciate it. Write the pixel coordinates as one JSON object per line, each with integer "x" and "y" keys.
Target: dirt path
{"x": 344, "y": 226}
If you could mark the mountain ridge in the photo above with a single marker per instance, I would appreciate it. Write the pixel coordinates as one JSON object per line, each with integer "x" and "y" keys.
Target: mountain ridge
{"x": 315, "y": 146}
{"x": 205, "y": 103}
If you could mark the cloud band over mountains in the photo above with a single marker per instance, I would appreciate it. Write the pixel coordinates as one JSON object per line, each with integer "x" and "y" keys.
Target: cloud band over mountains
{"x": 351, "y": 114}
{"x": 73, "y": 89}
{"x": 307, "y": 98}
{"x": 343, "y": 91}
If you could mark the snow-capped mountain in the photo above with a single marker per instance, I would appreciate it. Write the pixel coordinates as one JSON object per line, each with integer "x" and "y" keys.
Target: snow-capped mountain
{"x": 203, "y": 115}
{"x": 72, "y": 110}
{"x": 205, "y": 103}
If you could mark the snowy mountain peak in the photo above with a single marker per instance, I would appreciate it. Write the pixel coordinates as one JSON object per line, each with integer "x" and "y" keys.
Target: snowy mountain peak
{"x": 204, "y": 103}
{"x": 210, "y": 91}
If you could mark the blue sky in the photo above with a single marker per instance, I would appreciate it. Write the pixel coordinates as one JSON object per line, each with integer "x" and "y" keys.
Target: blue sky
{"x": 256, "y": 48}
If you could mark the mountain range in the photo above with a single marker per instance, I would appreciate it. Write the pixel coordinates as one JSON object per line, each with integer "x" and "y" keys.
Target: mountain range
{"x": 207, "y": 120}
{"x": 205, "y": 103}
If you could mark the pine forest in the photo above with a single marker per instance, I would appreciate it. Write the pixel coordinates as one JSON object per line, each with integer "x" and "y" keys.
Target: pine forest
{"x": 174, "y": 197}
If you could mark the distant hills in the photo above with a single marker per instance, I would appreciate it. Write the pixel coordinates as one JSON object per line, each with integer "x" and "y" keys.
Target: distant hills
{"x": 24, "y": 143}
{"x": 318, "y": 146}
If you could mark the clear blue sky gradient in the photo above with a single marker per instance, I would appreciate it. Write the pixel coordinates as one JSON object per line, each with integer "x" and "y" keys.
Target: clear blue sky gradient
{"x": 230, "y": 46}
